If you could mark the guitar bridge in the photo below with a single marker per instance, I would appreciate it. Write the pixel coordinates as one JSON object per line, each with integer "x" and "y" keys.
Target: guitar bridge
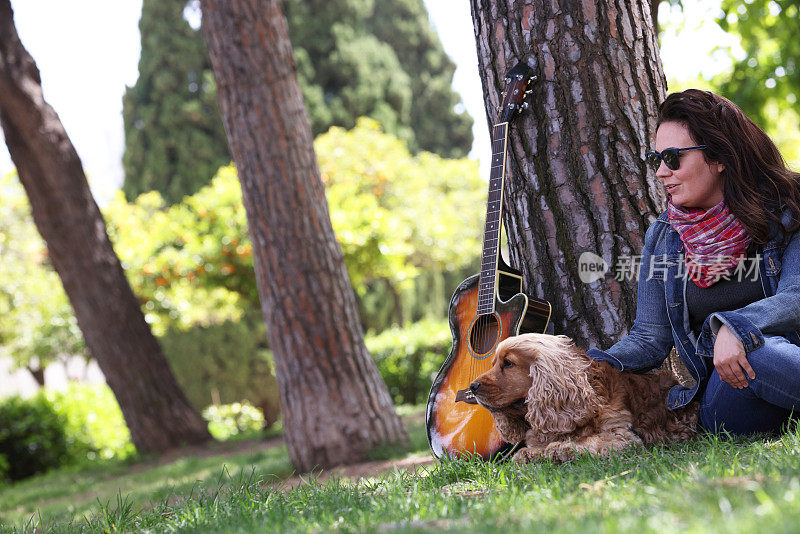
{"x": 466, "y": 395}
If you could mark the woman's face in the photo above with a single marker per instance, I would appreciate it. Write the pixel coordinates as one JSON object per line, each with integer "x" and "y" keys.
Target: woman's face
{"x": 696, "y": 183}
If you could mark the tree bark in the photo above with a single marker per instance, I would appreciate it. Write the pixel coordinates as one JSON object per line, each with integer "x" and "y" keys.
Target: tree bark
{"x": 654, "y": 14}
{"x": 38, "y": 375}
{"x": 334, "y": 404}
{"x": 157, "y": 413}
{"x": 577, "y": 177}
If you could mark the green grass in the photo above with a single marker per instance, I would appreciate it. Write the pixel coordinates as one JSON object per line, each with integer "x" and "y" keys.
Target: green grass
{"x": 710, "y": 484}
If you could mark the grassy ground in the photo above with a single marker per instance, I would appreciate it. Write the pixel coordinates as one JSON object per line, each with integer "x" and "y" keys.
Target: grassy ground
{"x": 710, "y": 484}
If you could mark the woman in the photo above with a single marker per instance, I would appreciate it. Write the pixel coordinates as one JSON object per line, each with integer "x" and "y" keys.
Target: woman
{"x": 720, "y": 270}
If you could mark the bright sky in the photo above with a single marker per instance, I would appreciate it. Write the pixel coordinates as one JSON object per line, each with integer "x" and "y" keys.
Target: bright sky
{"x": 88, "y": 50}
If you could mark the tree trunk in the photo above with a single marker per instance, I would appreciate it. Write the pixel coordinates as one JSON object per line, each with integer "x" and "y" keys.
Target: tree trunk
{"x": 334, "y": 404}
{"x": 157, "y": 413}
{"x": 654, "y": 14}
{"x": 38, "y": 375}
{"x": 577, "y": 177}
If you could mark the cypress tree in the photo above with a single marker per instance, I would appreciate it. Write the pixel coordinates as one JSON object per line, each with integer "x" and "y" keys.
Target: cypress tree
{"x": 174, "y": 139}
{"x": 437, "y": 125}
{"x": 374, "y": 58}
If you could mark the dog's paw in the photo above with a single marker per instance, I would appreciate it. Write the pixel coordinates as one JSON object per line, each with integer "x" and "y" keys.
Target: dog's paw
{"x": 527, "y": 454}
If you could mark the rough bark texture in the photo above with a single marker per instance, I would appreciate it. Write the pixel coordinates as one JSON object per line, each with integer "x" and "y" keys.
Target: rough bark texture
{"x": 157, "y": 413}
{"x": 334, "y": 404}
{"x": 654, "y": 14}
{"x": 577, "y": 178}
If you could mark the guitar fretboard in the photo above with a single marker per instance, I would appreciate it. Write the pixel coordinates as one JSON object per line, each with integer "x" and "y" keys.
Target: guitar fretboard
{"x": 494, "y": 208}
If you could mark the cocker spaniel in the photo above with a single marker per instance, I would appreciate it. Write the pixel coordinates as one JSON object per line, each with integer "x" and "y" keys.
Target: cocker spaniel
{"x": 545, "y": 391}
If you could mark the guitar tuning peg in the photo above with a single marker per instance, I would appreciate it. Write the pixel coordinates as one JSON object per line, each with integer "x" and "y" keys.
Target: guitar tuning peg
{"x": 529, "y": 91}
{"x": 524, "y": 106}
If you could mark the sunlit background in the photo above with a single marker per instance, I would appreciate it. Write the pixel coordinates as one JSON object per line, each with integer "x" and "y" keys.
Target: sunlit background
{"x": 88, "y": 51}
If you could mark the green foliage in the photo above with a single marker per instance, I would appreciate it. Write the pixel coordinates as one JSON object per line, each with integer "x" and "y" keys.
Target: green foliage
{"x": 354, "y": 58}
{"x": 55, "y": 428}
{"x": 37, "y": 325}
{"x": 380, "y": 59}
{"x": 189, "y": 263}
{"x": 766, "y": 82}
{"x": 94, "y": 424}
{"x": 174, "y": 139}
{"x": 237, "y": 420}
{"x": 395, "y": 215}
{"x": 223, "y": 364}
{"x": 438, "y": 125}
{"x": 428, "y": 295}
{"x": 33, "y": 437}
{"x": 408, "y": 358}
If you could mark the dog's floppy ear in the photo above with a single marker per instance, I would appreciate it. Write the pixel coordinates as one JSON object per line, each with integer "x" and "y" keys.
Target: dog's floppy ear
{"x": 560, "y": 398}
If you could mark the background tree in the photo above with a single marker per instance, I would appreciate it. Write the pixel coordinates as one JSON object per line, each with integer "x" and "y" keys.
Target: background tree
{"x": 334, "y": 405}
{"x": 437, "y": 116}
{"x": 355, "y": 58}
{"x": 37, "y": 326}
{"x": 765, "y": 83}
{"x": 577, "y": 178}
{"x": 174, "y": 140}
{"x": 66, "y": 215}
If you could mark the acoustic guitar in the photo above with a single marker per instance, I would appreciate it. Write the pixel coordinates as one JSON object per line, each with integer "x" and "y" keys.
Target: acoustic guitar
{"x": 486, "y": 308}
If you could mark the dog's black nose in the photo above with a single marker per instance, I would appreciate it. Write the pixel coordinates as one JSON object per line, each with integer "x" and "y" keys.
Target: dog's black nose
{"x": 474, "y": 386}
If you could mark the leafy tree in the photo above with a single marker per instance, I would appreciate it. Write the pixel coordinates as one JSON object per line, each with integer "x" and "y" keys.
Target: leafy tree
{"x": 766, "y": 82}
{"x": 354, "y": 58}
{"x": 174, "y": 140}
{"x": 395, "y": 216}
{"x": 438, "y": 125}
{"x": 769, "y": 72}
{"x": 190, "y": 263}
{"x": 37, "y": 326}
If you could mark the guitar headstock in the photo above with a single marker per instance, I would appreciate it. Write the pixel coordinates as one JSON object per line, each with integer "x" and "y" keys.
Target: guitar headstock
{"x": 516, "y": 89}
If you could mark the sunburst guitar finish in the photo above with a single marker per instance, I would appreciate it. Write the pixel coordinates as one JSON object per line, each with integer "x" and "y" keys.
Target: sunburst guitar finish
{"x": 456, "y": 424}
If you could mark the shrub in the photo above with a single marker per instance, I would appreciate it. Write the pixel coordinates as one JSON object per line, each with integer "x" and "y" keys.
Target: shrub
{"x": 224, "y": 364}
{"x": 95, "y": 426}
{"x": 237, "y": 420}
{"x": 408, "y": 358}
{"x": 33, "y": 437}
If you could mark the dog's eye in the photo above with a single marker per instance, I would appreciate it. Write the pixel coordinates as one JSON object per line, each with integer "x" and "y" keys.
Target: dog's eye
{"x": 506, "y": 363}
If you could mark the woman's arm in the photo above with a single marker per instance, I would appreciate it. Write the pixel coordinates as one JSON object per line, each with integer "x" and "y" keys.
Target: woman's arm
{"x": 650, "y": 339}
{"x": 778, "y": 314}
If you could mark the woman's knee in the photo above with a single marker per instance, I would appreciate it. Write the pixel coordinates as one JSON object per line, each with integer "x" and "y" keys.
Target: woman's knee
{"x": 778, "y": 356}
{"x": 738, "y": 411}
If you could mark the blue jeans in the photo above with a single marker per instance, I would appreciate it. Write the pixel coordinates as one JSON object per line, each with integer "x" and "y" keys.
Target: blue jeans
{"x": 769, "y": 399}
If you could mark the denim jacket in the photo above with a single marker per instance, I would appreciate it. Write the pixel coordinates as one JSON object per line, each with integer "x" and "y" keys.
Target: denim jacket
{"x": 662, "y": 318}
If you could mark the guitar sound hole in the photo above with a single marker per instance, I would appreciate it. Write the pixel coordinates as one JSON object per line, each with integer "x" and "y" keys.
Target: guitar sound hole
{"x": 484, "y": 334}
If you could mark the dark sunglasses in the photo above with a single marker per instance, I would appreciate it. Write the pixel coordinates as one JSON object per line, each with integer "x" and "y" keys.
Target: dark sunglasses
{"x": 670, "y": 157}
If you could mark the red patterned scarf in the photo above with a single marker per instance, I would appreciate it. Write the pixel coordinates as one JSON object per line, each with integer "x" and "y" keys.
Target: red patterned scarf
{"x": 715, "y": 241}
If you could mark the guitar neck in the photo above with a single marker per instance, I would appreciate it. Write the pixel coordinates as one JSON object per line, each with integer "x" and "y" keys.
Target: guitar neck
{"x": 494, "y": 209}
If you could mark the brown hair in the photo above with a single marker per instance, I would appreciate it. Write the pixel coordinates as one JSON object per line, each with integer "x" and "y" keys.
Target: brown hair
{"x": 755, "y": 181}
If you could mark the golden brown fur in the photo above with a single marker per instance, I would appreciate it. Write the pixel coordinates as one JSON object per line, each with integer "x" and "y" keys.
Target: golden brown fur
{"x": 546, "y": 392}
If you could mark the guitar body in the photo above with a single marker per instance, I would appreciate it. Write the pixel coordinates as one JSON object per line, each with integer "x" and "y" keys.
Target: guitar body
{"x": 457, "y": 425}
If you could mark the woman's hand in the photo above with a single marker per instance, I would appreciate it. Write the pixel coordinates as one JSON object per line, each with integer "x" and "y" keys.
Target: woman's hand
{"x": 730, "y": 359}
